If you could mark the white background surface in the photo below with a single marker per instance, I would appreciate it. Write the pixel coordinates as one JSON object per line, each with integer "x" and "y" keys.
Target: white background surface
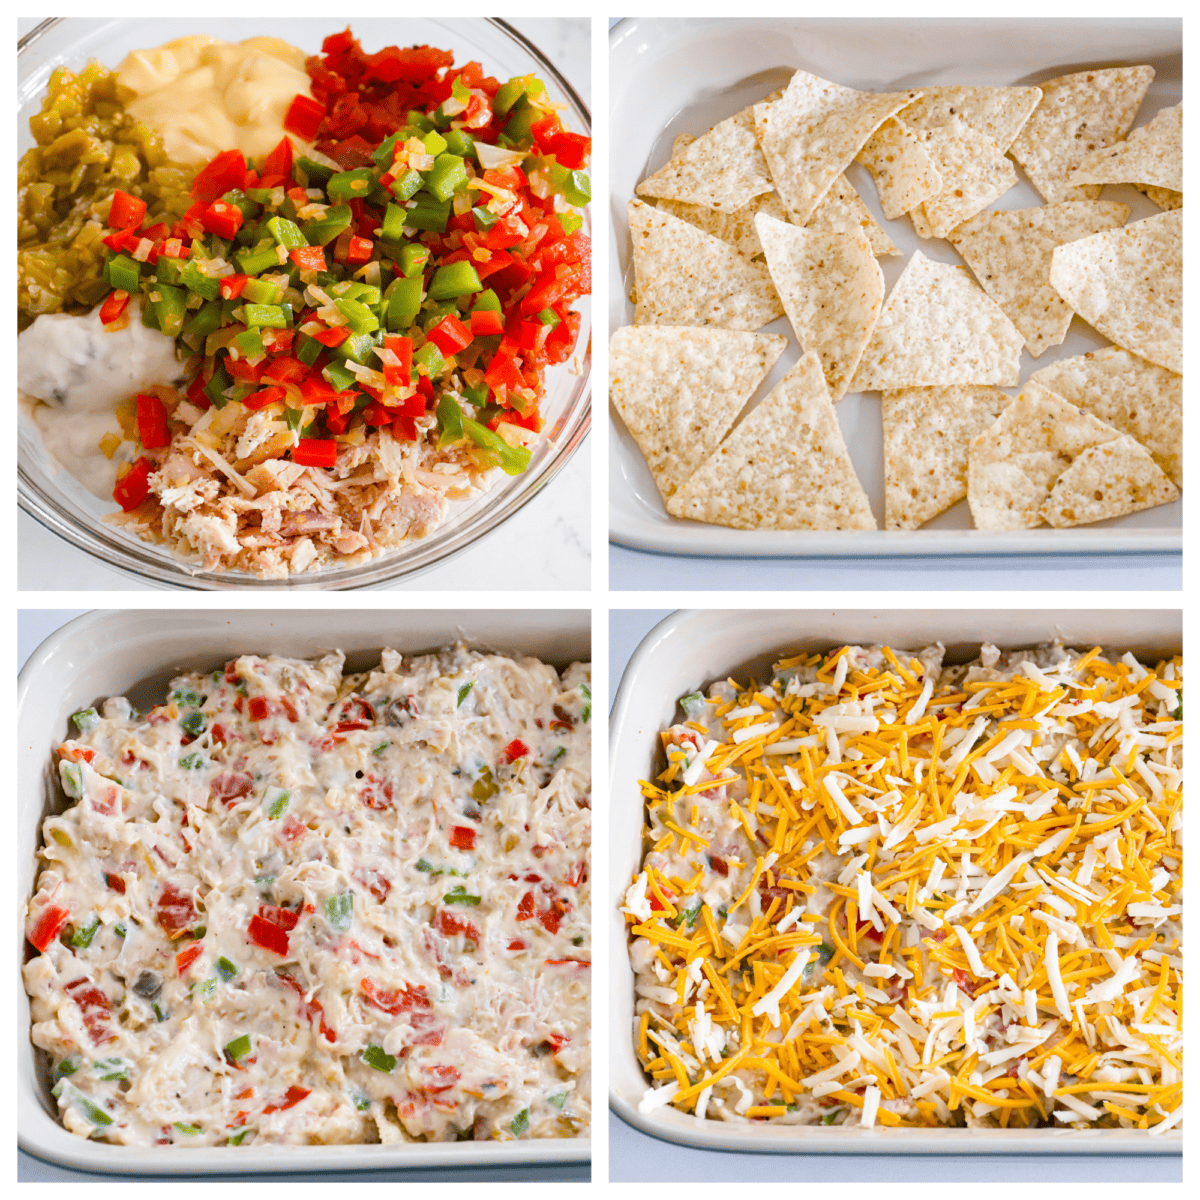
{"x": 706, "y": 99}
{"x": 545, "y": 546}
{"x": 634, "y": 1156}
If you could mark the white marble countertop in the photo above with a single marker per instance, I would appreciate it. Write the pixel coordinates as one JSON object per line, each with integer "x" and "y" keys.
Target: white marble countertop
{"x": 546, "y": 546}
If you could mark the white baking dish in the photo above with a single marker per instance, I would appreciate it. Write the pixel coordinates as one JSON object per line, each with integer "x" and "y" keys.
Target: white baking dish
{"x": 684, "y": 74}
{"x": 691, "y": 649}
{"x": 135, "y": 653}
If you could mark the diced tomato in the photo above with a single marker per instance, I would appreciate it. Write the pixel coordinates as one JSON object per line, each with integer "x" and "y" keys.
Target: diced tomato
{"x": 224, "y": 173}
{"x": 152, "y": 422}
{"x": 126, "y": 212}
{"x": 563, "y": 282}
{"x": 462, "y": 837}
{"x": 309, "y": 258}
{"x": 114, "y": 307}
{"x": 315, "y": 452}
{"x": 279, "y": 161}
{"x": 185, "y": 958}
{"x": 133, "y": 489}
{"x": 176, "y": 913}
{"x": 486, "y": 323}
{"x": 450, "y": 335}
{"x": 48, "y": 926}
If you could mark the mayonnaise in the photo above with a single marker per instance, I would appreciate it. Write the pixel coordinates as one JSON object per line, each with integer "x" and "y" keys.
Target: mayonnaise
{"x": 82, "y": 371}
{"x": 204, "y": 95}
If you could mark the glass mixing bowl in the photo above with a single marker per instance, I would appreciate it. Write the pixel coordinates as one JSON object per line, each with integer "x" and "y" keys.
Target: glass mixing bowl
{"x": 58, "y": 501}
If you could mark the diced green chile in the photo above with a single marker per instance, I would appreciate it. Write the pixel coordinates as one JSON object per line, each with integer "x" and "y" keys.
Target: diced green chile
{"x": 378, "y": 1058}
{"x": 339, "y": 910}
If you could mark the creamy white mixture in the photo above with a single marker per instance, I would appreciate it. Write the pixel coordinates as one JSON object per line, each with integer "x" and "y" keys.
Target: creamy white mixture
{"x": 291, "y": 906}
{"x": 81, "y": 372}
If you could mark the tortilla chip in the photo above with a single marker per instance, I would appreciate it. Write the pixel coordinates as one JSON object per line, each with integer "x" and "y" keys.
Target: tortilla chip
{"x": 784, "y": 467}
{"x": 1127, "y": 283}
{"x": 1130, "y": 394}
{"x": 1015, "y": 463}
{"x": 902, "y": 167}
{"x": 681, "y": 143}
{"x": 1107, "y": 481}
{"x": 842, "y": 211}
{"x": 831, "y": 288}
{"x": 927, "y": 433}
{"x": 736, "y": 228}
{"x": 1151, "y": 155}
{"x": 723, "y": 169}
{"x": 1011, "y": 252}
{"x": 1165, "y": 198}
{"x": 997, "y": 112}
{"x": 811, "y": 134}
{"x": 939, "y": 327}
{"x": 1078, "y": 114}
{"x": 679, "y": 390}
{"x": 974, "y": 171}
{"x": 685, "y": 276}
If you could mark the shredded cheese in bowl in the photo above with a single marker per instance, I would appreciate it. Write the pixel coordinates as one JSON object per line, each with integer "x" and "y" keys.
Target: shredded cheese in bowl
{"x": 880, "y": 891}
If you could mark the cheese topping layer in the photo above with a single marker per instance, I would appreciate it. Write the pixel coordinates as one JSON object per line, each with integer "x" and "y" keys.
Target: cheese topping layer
{"x": 292, "y": 906}
{"x": 880, "y": 891}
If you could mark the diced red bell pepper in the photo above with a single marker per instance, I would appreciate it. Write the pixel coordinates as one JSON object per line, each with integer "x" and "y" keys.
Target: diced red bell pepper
{"x": 286, "y": 369}
{"x": 562, "y": 339}
{"x": 195, "y": 393}
{"x": 544, "y": 128}
{"x": 224, "y": 173}
{"x": 185, "y": 958}
{"x": 277, "y": 915}
{"x": 377, "y": 414}
{"x": 130, "y": 491}
{"x": 486, "y": 323}
{"x": 570, "y": 149}
{"x": 564, "y": 282}
{"x": 223, "y": 219}
{"x": 504, "y": 233}
{"x": 503, "y": 372}
{"x": 173, "y": 247}
{"x": 279, "y": 161}
{"x": 359, "y": 250}
{"x": 333, "y": 337}
{"x": 402, "y": 348}
{"x": 404, "y": 428}
{"x": 48, "y": 926}
{"x": 450, "y": 335}
{"x": 462, "y": 837}
{"x": 304, "y": 117}
{"x": 533, "y": 335}
{"x": 499, "y": 260}
{"x": 516, "y": 749}
{"x": 232, "y": 286}
{"x": 293, "y": 1095}
{"x": 122, "y": 240}
{"x": 126, "y": 212}
{"x": 317, "y": 390}
{"x": 315, "y": 452}
{"x": 245, "y": 372}
{"x": 114, "y": 307}
{"x": 152, "y": 423}
{"x": 278, "y": 341}
{"x": 269, "y": 937}
{"x": 309, "y": 258}
{"x": 272, "y": 181}
{"x": 265, "y": 398}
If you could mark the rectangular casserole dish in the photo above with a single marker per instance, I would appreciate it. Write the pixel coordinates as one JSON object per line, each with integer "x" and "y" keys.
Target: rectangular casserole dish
{"x": 686, "y": 652}
{"x": 684, "y": 74}
{"x": 135, "y": 654}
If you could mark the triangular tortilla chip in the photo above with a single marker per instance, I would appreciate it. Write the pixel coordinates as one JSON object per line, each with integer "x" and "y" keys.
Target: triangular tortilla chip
{"x": 1078, "y": 114}
{"x": 1129, "y": 393}
{"x": 974, "y": 172}
{"x": 684, "y": 276}
{"x": 902, "y": 167}
{"x": 1127, "y": 283}
{"x": 842, "y": 211}
{"x": 811, "y": 134}
{"x": 997, "y": 112}
{"x": 1011, "y": 252}
{"x": 831, "y": 288}
{"x": 723, "y": 169}
{"x": 784, "y": 467}
{"x": 927, "y": 433}
{"x": 1015, "y": 462}
{"x": 939, "y": 327}
{"x": 1151, "y": 155}
{"x": 1165, "y": 198}
{"x": 1107, "y": 481}
{"x": 736, "y": 228}
{"x": 679, "y": 390}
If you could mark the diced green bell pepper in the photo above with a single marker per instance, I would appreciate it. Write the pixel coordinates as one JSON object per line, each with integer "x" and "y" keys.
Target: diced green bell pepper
{"x": 340, "y": 377}
{"x": 407, "y": 186}
{"x": 217, "y": 385}
{"x": 459, "y": 142}
{"x": 267, "y": 316}
{"x": 404, "y": 302}
{"x": 339, "y": 910}
{"x": 286, "y": 233}
{"x": 195, "y": 280}
{"x": 124, "y": 273}
{"x": 434, "y": 143}
{"x": 255, "y": 262}
{"x": 429, "y": 214}
{"x": 81, "y": 939}
{"x": 458, "y": 279}
{"x": 431, "y": 358}
{"x": 450, "y": 421}
{"x": 250, "y": 343}
{"x": 513, "y": 459}
{"x": 262, "y": 291}
{"x": 449, "y": 175}
{"x": 317, "y": 173}
{"x": 308, "y": 349}
{"x": 378, "y": 1058}
{"x": 350, "y": 185}
{"x": 358, "y": 316}
{"x": 239, "y": 1047}
{"x": 487, "y": 301}
{"x": 169, "y": 270}
{"x": 484, "y": 219}
{"x": 325, "y": 229}
{"x": 171, "y": 309}
{"x": 507, "y": 95}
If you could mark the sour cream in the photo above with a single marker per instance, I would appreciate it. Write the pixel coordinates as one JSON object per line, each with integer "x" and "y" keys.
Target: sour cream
{"x": 204, "y": 95}
{"x": 82, "y": 371}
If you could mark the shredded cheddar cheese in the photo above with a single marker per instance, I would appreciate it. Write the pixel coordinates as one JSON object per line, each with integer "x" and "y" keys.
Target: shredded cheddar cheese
{"x": 880, "y": 891}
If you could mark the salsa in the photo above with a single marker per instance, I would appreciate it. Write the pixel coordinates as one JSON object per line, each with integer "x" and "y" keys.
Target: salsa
{"x": 410, "y": 266}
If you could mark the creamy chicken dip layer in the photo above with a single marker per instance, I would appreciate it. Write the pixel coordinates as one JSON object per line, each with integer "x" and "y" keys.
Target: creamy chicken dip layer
{"x": 290, "y": 905}
{"x": 882, "y": 891}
